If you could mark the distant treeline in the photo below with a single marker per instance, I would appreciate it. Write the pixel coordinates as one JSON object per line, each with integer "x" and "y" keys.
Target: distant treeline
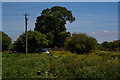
{"x": 110, "y": 46}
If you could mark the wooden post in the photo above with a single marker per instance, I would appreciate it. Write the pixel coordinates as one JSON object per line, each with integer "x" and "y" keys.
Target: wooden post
{"x": 26, "y": 19}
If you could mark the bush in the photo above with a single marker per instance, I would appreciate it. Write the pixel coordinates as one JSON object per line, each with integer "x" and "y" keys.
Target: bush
{"x": 36, "y": 41}
{"x": 6, "y": 41}
{"x": 80, "y": 43}
{"x": 110, "y": 46}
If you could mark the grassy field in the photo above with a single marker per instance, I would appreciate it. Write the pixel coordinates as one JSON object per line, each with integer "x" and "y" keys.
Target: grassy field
{"x": 60, "y": 64}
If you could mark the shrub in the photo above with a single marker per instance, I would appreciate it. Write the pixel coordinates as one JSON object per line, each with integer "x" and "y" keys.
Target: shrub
{"x": 80, "y": 43}
{"x": 36, "y": 41}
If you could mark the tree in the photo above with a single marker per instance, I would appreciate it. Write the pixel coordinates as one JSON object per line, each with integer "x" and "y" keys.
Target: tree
{"x": 36, "y": 41}
{"x": 111, "y": 46}
{"x": 6, "y": 41}
{"x": 52, "y": 22}
{"x": 80, "y": 43}
{"x": 116, "y": 45}
{"x": 105, "y": 44}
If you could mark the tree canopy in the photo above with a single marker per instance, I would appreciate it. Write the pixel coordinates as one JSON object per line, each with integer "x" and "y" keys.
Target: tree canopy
{"x": 36, "y": 41}
{"x": 52, "y": 22}
{"x": 110, "y": 46}
{"x": 6, "y": 41}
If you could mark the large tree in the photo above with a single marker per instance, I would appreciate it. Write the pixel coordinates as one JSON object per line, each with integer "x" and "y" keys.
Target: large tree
{"x": 52, "y": 22}
{"x": 36, "y": 41}
{"x": 6, "y": 41}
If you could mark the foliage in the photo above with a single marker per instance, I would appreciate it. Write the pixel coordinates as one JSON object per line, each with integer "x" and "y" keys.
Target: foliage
{"x": 36, "y": 41}
{"x": 6, "y": 41}
{"x": 61, "y": 64}
{"x": 52, "y": 22}
{"x": 80, "y": 43}
{"x": 110, "y": 46}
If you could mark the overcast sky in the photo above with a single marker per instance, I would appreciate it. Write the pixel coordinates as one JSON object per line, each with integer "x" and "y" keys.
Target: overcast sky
{"x": 96, "y": 19}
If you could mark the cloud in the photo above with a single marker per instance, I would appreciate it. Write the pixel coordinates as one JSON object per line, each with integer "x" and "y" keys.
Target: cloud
{"x": 92, "y": 33}
{"x": 105, "y": 35}
{"x": 107, "y": 31}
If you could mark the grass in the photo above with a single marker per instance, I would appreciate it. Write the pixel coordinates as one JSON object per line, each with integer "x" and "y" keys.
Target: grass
{"x": 60, "y": 64}
{"x": 0, "y": 65}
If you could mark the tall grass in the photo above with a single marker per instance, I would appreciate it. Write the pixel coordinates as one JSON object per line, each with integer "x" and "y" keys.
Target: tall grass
{"x": 61, "y": 64}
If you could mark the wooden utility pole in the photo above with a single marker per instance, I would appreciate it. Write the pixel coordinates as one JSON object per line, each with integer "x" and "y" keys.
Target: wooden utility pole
{"x": 26, "y": 19}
